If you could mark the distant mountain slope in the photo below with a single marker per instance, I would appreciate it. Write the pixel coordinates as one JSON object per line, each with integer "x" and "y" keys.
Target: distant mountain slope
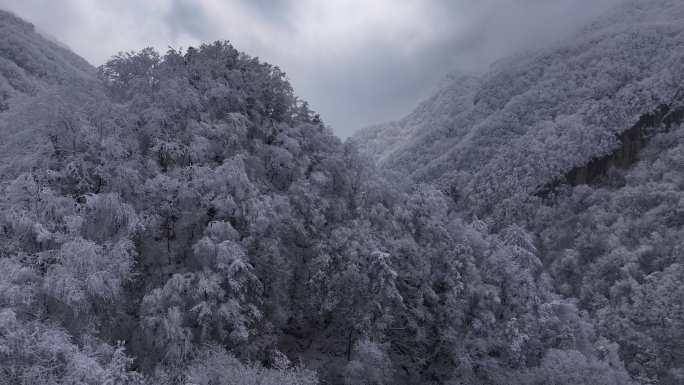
{"x": 538, "y": 115}
{"x": 431, "y": 118}
{"x": 41, "y": 83}
{"x": 29, "y": 62}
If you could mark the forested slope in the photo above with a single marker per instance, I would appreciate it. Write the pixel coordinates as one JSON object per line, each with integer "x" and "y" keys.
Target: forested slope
{"x": 432, "y": 120}
{"x": 185, "y": 219}
{"x": 580, "y": 146}
{"x": 541, "y": 114}
{"x": 616, "y": 246}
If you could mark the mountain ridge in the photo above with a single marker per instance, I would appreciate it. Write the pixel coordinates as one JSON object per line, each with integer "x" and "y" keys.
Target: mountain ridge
{"x": 628, "y": 85}
{"x": 184, "y": 218}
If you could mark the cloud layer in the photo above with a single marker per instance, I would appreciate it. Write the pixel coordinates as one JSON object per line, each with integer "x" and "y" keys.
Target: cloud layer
{"x": 357, "y": 61}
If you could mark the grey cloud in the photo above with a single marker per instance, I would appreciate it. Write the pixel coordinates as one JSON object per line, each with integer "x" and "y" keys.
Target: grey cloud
{"x": 379, "y": 83}
{"x": 186, "y": 17}
{"x": 369, "y": 77}
{"x": 272, "y": 10}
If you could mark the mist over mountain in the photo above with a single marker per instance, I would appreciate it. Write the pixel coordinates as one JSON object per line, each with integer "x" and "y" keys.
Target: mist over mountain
{"x": 184, "y": 218}
{"x": 563, "y": 105}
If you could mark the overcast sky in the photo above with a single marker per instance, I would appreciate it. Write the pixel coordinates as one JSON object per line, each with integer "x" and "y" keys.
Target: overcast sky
{"x": 357, "y": 62}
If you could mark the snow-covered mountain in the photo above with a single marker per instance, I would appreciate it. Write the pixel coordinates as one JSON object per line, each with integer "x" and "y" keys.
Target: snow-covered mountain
{"x": 581, "y": 145}
{"x": 185, "y": 219}
{"x": 41, "y": 84}
{"x": 432, "y": 118}
{"x": 538, "y": 115}
{"x": 30, "y": 63}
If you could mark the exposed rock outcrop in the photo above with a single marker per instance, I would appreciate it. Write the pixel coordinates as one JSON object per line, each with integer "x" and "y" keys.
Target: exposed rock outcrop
{"x": 632, "y": 142}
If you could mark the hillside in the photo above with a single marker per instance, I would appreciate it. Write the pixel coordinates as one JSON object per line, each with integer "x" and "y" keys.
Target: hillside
{"x": 564, "y": 106}
{"x": 184, "y": 218}
{"x": 431, "y": 119}
{"x": 579, "y": 145}
{"x": 41, "y": 83}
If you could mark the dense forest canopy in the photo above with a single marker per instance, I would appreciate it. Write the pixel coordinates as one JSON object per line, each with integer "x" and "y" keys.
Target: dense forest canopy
{"x": 184, "y": 218}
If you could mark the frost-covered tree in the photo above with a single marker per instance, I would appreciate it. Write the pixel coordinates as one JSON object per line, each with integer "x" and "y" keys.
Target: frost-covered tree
{"x": 188, "y": 206}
